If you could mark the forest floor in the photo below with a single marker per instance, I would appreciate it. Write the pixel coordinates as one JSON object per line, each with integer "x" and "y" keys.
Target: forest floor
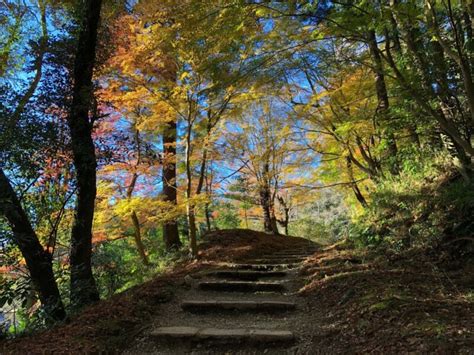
{"x": 347, "y": 300}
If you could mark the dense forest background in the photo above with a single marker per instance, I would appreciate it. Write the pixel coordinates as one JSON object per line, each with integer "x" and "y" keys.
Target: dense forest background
{"x": 130, "y": 129}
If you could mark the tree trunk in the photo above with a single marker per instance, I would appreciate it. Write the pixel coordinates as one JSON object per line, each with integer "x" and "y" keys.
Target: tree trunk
{"x": 170, "y": 228}
{"x": 269, "y": 220}
{"x": 137, "y": 235}
{"x": 207, "y": 212}
{"x": 266, "y": 201}
{"x": 286, "y": 221}
{"x": 246, "y": 218}
{"x": 355, "y": 188}
{"x": 274, "y": 223}
{"x": 286, "y": 210}
{"x": 190, "y": 208}
{"x": 37, "y": 259}
{"x": 138, "y": 239}
{"x": 382, "y": 96}
{"x": 192, "y": 229}
{"x": 83, "y": 287}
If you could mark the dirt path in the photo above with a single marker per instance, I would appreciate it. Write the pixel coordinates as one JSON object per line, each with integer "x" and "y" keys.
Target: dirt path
{"x": 243, "y": 308}
{"x": 340, "y": 299}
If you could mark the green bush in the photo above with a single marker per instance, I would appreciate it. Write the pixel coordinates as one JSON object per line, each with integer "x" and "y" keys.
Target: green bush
{"x": 426, "y": 205}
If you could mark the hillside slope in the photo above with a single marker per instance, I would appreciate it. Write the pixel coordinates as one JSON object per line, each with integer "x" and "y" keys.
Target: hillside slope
{"x": 356, "y": 302}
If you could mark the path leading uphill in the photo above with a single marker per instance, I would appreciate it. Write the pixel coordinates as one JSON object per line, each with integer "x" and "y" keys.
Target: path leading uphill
{"x": 253, "y": 293}
{"x": 234, "y": 308}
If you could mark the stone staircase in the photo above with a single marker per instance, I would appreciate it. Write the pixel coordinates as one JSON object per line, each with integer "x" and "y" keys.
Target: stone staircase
{"x": 237, "y": 294}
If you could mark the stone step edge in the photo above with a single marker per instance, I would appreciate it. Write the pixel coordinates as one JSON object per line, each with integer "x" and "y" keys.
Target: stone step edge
{"x": 243, "y": 286}
{"x": 292, "y": 255}
{"x": 231, "y": 334}
{"x": 276, "y": 261}
{"x": 237, "y": 272}
{"x": 239, "y": 305}
{"x": 278, "y": 257}
{"x": 250, "y": 266}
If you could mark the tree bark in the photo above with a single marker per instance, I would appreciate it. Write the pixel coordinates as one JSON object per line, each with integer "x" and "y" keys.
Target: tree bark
{"x": 269, "y": 220}
{"x": 83, "y": 287}
{"x": 265, "y": 203}
{"x": 286, "y": 210}
{"x": 190, "y": 208}
{"x": 191, "y": 212}
{"x": 37, "y": 259}
{"x": 383, "y": 102}
{"x": 137, "y": 235}
{"x": 355, "y": 188}
{"x": 207, "y": 213}
{"x": 170, "y": 228}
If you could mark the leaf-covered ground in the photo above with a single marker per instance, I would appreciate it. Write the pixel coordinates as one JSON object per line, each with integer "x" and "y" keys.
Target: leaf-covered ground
{"x": 376, "y": 305}
{"x": 358, "y": 303}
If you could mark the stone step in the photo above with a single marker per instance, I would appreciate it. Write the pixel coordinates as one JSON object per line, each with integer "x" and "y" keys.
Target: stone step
{"x": 291, "y": 255}
{"x": 303, "y": 250}
{"x": 262, "y": 267}
{"x": 284, "y": 257}
{"x": 224, "y": 335}
{"x": 242, "y": 286}
{"x": 249, "y": 275}
{"x": 247, "y": 306}
{"x": 277, "y": 261}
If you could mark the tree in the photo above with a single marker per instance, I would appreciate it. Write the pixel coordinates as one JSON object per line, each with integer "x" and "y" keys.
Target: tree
{"x": 187, "y": 74}
{"x": 38, "y": 260}
{"x": 419, "y": 32}
{"x": 83, "y": 287}
{"x": 262, "y": 145}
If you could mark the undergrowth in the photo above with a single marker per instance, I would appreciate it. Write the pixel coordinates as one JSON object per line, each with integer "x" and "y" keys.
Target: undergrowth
{"x": 429, "y": 206}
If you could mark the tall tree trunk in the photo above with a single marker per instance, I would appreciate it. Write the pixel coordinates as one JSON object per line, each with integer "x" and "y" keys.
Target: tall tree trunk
{"x": 265, "y": 203}
{"x": 286, "y": 210}
{"x": 383, "y": 102}
{"x": 190, "y": 208}
{"x": 83, "y": 287}
{"x": 137, "y": 235}
{"x": 170, "y": 228}
{"x": 286, "y": 221}
{"x": 37, "y": 259}
{"x": 207, "y": 212}
{"x": 191, "y": 212}
{"x": 355, "y": 188}
{"x": 274, "y": 222}
{"x": 269, "y": 219}
{"x": 246, "y": 218}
